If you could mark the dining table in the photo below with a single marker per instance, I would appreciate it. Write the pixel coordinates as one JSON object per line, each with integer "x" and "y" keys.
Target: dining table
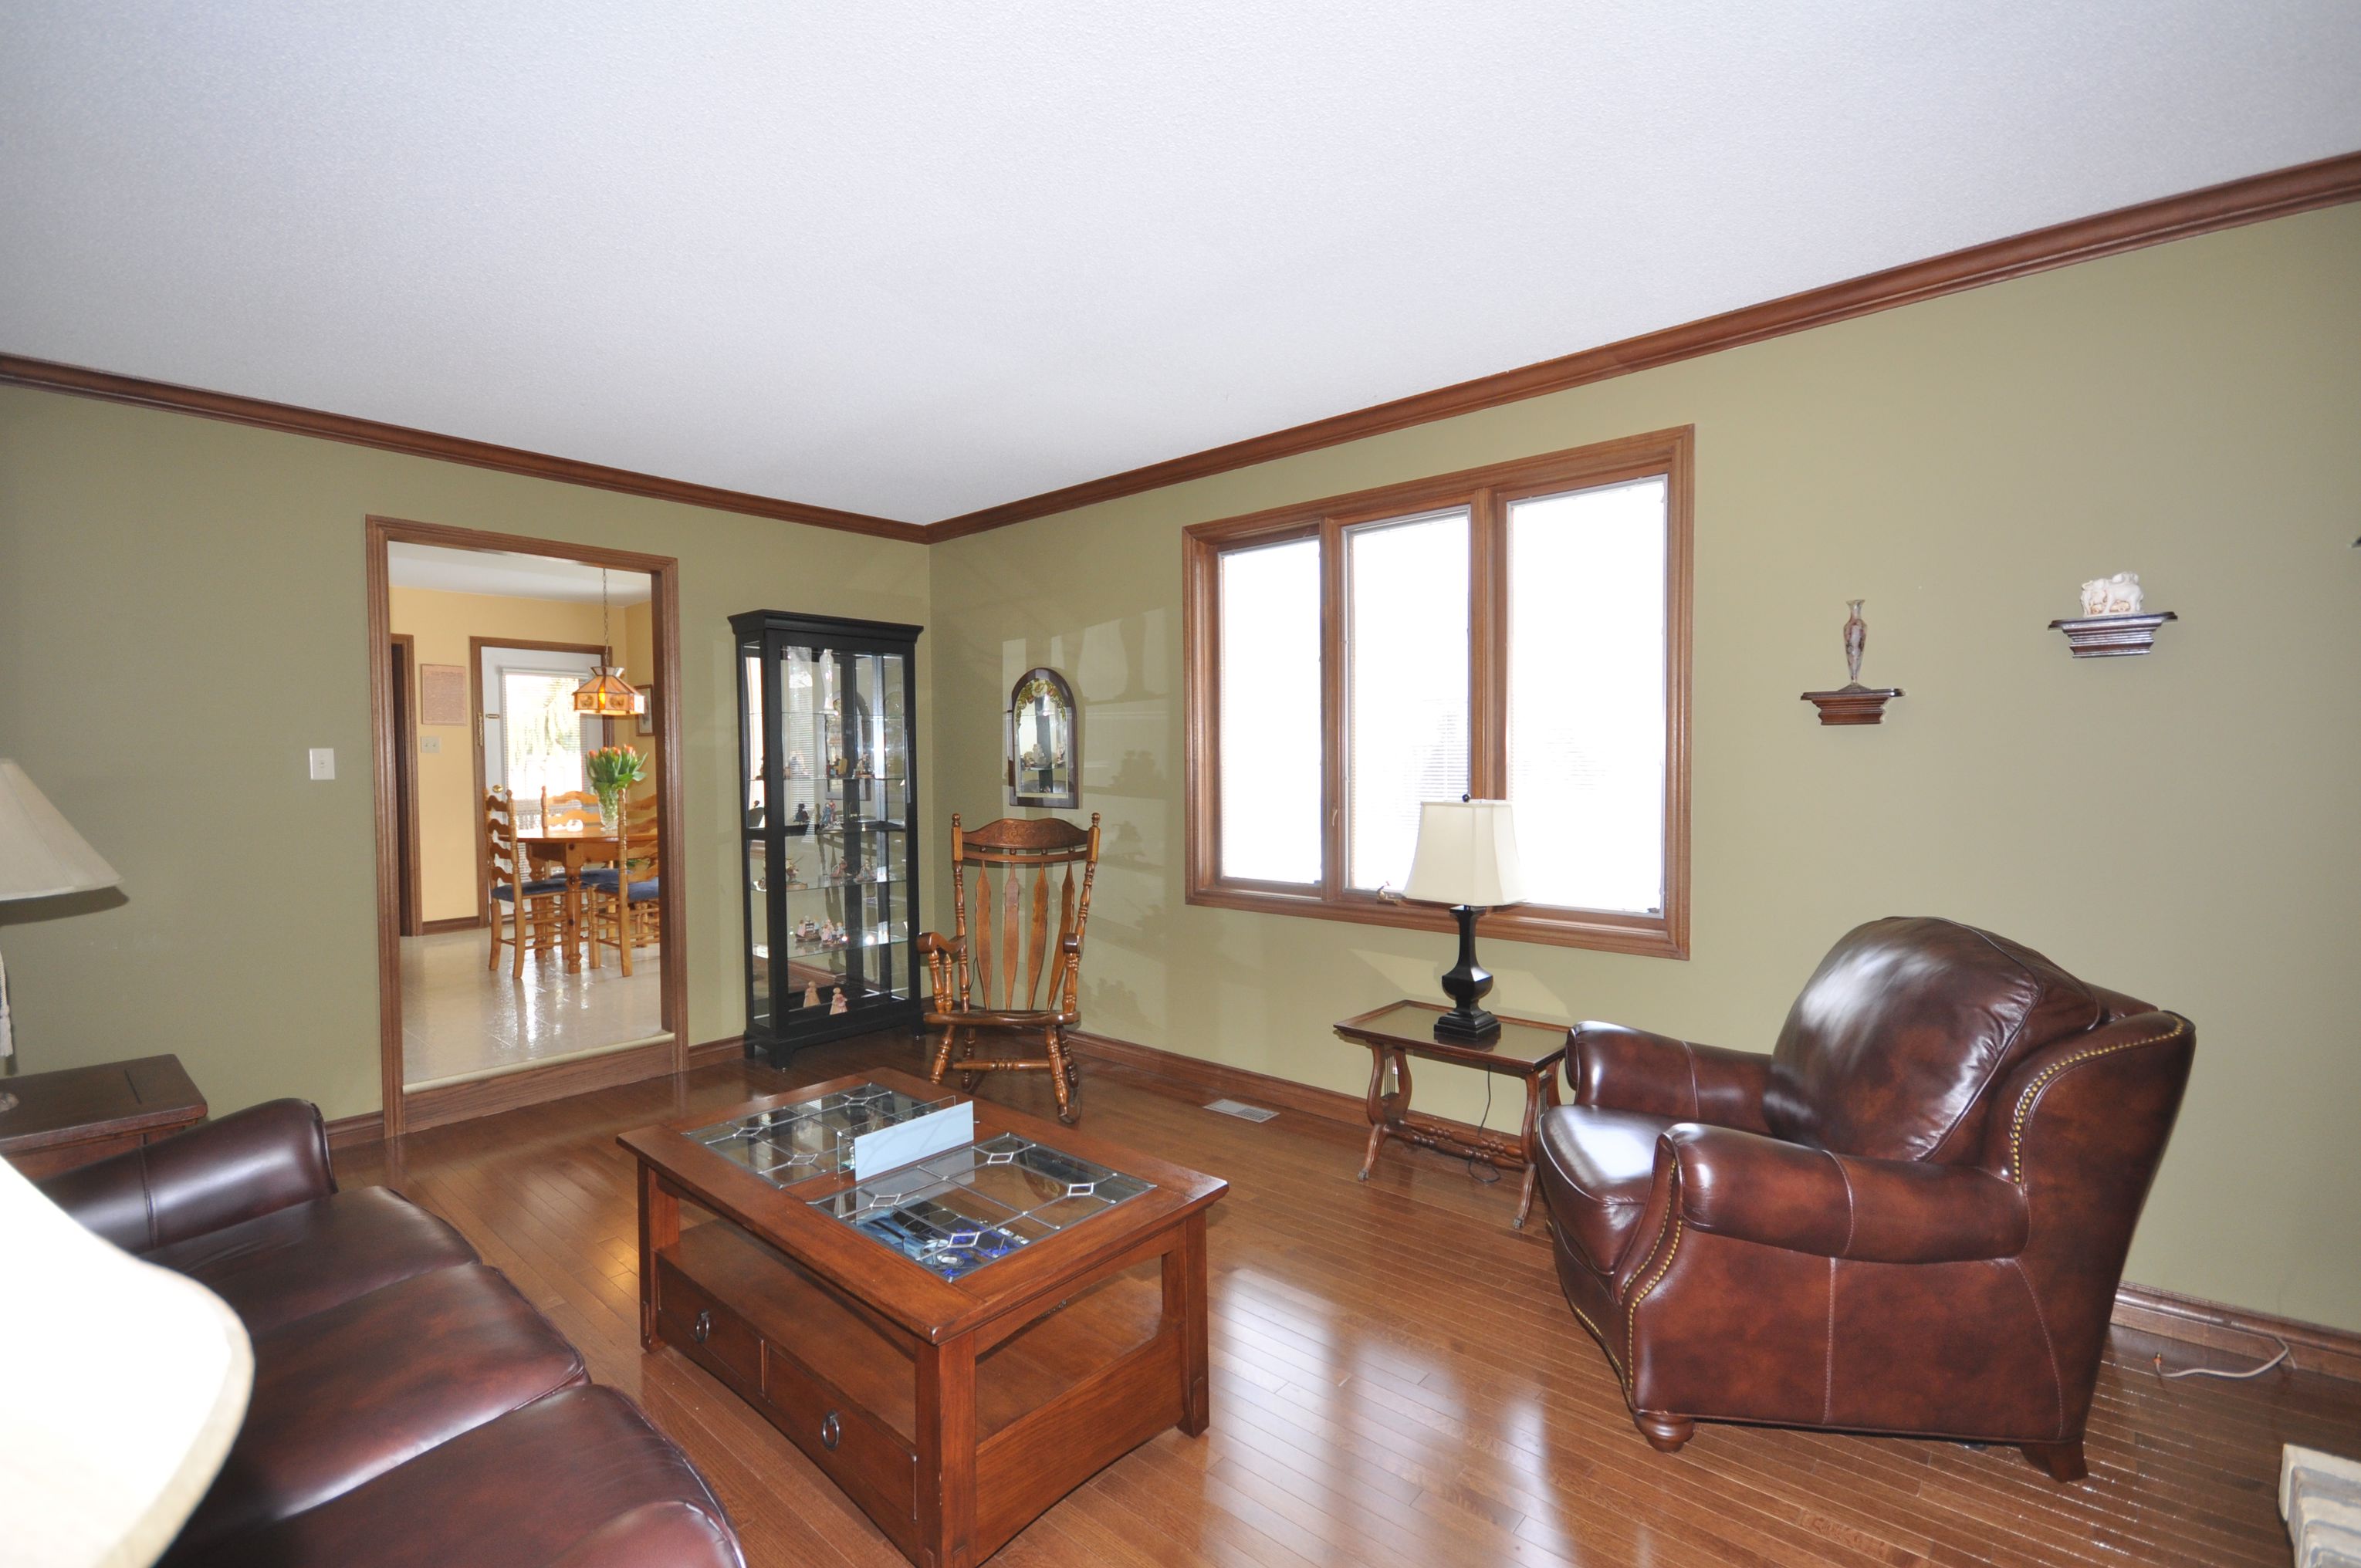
{"x": 573, "y": 846}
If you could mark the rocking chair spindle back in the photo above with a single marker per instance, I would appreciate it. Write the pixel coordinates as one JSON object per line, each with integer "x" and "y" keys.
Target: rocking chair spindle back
{"x": 977, "y": 981}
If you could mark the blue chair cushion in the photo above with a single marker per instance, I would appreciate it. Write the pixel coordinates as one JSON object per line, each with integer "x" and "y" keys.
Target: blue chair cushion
{"x": 506, "y": 894}
{"x": 606, "y": 878}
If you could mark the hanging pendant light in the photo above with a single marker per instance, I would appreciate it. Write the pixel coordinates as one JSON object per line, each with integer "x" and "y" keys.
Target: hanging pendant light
{"x": 606, "y": 693}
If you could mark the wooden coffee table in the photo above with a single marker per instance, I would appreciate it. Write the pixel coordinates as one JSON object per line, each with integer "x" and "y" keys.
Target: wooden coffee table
{"x": 952, "y": 1410}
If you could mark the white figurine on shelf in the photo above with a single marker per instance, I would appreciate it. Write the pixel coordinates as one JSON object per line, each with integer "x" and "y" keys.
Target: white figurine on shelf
{"x": 2118, "y": 594}
{"x": 841, "y": 1004}
{"x": 811, "y": 993}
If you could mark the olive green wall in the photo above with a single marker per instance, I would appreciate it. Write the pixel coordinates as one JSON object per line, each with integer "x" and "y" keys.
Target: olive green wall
{"x": 182, "y": 615}
{"x": 2185, "y": 826}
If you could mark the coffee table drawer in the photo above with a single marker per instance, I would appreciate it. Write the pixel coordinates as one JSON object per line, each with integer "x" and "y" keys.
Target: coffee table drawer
{"x": 859, "y": 1454}
{"x": 706, "y": 1330}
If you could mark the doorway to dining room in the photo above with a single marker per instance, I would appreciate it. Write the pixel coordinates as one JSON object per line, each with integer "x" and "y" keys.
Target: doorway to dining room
{"x": 529, "y": 934}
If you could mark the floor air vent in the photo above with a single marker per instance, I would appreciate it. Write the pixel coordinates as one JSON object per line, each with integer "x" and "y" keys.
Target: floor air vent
{"x": 1241, "y": 1111}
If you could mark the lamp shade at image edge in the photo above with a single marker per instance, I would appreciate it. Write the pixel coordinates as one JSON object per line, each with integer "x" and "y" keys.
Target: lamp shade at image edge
{"x": 1466, "y": 855}
{"x": 40, "y": 854}
{"x": 114, "y": 1429}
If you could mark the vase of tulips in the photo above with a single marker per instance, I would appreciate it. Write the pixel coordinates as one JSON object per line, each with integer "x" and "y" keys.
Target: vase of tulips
{"x": 611, "y": 770}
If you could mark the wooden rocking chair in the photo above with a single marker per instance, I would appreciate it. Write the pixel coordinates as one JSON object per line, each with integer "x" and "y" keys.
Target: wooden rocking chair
{"x": 966, "y": 1000}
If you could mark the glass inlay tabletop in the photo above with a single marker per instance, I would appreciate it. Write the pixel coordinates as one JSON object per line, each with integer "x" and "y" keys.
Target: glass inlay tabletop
{"x": 963, "y": 1208}
{"x": 812, "y": 1138}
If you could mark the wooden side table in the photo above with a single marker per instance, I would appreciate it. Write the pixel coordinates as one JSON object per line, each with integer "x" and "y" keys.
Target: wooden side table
{"x": 78, "y": 1115}
{"x": 1525, "y": 1049}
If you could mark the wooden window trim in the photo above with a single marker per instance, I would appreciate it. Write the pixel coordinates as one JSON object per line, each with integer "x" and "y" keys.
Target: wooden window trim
{"x": 1487, "y": 493}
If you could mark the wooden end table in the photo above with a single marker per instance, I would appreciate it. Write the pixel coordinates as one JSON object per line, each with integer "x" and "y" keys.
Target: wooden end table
{"x": 1525, "y": 1049}
{"x": 78, "y": 1115}
{"x": 951, "y": 1410}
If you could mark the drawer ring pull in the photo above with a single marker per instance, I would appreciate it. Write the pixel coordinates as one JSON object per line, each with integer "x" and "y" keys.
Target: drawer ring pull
{"x": 702, "y": 1330}
{"x": 830, "y": 1430}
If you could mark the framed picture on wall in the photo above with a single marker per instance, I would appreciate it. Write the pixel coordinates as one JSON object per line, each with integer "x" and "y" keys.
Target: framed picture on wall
{"x": 1045, "y": 752}
{"x": 647, "y": 710}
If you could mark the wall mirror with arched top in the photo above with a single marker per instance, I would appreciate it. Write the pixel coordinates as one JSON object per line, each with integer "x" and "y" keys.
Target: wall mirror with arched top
{"x": 1044, "y": 759}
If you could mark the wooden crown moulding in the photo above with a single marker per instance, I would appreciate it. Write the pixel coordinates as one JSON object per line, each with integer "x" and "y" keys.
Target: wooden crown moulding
{"x": 18, "y": 370}
{"x": 2280, "y": 194}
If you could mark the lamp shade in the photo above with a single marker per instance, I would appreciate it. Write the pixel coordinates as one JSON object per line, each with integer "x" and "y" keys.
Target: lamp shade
{"x": 40, "y": 854}
{"x": 606, "y": 694}
{"x": 1466, "y": 854}
{"x": 123, "y": 1389}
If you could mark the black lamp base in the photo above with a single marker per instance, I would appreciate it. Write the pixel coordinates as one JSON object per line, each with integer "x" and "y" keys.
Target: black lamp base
{"x": 1466, "y": 983}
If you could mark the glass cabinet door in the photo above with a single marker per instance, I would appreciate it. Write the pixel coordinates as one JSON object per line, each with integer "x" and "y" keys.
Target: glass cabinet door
{"x": 831, "y": 895}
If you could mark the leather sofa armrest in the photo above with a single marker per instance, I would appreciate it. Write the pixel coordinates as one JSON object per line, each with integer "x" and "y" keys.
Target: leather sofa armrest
{"x": 1806, "y": 1199}
{"x": 1618, "y": 1068}
{"x": 246, "y": 1165}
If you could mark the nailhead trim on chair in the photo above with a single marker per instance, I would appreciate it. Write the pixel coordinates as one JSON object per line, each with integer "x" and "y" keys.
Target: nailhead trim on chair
{"x": 2033, "y": 1091}
{"x": 1632, "y": 1313}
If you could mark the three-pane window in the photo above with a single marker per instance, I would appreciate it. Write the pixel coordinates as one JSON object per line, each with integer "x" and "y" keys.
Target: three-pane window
{"x": 1520, "y": 631}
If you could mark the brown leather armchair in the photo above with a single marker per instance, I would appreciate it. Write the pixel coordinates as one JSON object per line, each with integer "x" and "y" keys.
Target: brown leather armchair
{"x": 1910, "y": 1217}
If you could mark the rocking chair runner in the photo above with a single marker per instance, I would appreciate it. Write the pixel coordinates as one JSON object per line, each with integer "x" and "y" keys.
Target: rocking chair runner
{"x": 964, "y": 975}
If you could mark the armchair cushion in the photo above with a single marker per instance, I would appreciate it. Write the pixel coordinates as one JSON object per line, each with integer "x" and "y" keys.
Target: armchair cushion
{"x": 1631, "y": 1070}
{"x": 296, "y": 1261}
{"x": 344, "y": 1394}
{"x": 1758, "y": 1189}
{"x": 252, "y": 1163}
{"x": 1890, "y": 1049}
{"x": 1598, "y": 1169}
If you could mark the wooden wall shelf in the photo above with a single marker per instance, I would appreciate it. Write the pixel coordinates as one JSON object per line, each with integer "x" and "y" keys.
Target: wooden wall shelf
{"x": 1854, "y": 703}
{"x": 2112, "y": 636}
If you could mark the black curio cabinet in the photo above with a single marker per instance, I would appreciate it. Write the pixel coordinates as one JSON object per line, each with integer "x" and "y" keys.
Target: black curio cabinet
{"x": 828, "y": 801}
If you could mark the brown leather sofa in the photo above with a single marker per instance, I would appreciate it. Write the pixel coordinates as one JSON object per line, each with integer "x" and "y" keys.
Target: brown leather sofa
{"x": 409, "y": 1406}
{"x": 1910, "y": 1217}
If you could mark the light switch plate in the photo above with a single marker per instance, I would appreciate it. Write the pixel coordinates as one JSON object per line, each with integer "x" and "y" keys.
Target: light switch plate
{"x": 323, "y": 761}
{"x": 431, "y": 745}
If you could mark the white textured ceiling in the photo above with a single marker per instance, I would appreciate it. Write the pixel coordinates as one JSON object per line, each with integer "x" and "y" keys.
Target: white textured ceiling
{"x": 510, "y": 576}
{"x": 914, "y": 260}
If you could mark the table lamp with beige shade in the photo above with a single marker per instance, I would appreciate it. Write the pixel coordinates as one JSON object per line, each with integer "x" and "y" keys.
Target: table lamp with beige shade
{"x": 123, "y": 1389}
{"x": 40, "y": 857}
{"x": 1466, "y": 858}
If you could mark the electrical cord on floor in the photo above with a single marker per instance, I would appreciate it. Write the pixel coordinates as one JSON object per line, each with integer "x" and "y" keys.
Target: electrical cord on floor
{"x": 2287, "y": 1355}
{"x": 1481, "y": 1122}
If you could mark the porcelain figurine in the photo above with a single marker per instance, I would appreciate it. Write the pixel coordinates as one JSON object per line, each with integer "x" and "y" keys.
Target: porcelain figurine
{"x": 796, "y": 769}
{"x": 811, "y": 993}
{"x": 841, "y": 1004}
{"x": 2118, "y": 594}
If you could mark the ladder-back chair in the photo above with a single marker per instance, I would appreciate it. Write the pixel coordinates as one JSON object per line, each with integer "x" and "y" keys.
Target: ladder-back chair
{"x": 977, "y": 984}
{"x": 624, "y": 911}
{"x": 534, "y": 907}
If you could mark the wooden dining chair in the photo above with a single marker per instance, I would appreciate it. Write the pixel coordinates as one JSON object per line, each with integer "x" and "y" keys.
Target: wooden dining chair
{"x": 567, "y": 808}
{"x": 624, "y": 911}
{"x": 975, "y": 988}
{"x": 534, "y": 907}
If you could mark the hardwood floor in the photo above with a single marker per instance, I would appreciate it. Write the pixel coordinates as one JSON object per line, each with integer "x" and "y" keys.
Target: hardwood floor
{"x": 1396, "y": 1381}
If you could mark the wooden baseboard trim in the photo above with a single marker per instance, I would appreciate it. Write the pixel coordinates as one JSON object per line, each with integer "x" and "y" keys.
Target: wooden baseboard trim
{"x": 2336, "y": 1353}
{"x": 457, "y": 922}
{"x": 463, "y": 1101}
{"x": 718, "y": 1053}
{"x": 427, "y": 1108}
{"x": 366, "y": 1128}
{"x": 1194, "y": 1076}
{"x": 2314, "y": 1347}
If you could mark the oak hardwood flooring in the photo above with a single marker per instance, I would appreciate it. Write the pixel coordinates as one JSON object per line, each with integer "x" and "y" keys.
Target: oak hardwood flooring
{"x": 1396, "y": 1381}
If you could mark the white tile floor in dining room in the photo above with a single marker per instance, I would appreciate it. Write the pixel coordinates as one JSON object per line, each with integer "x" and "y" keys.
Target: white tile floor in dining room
{"x": 461, "y": 1019}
